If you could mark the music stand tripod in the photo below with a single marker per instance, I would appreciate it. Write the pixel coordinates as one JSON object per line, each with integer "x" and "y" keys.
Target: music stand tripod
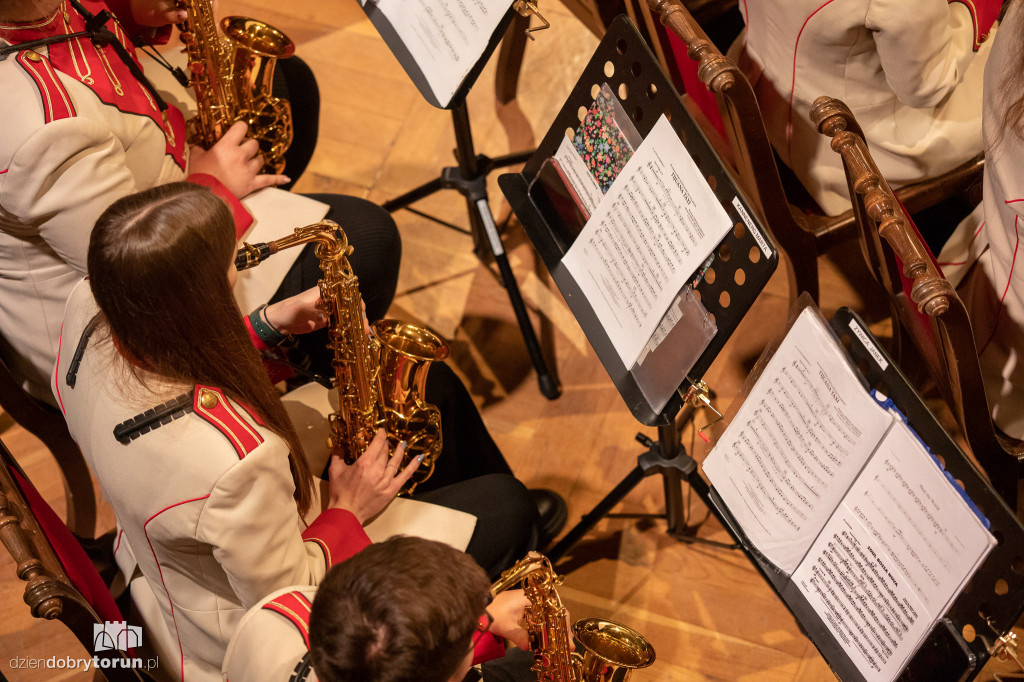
{"x": 469, "y": 178}
{"x": 667, "y": 457}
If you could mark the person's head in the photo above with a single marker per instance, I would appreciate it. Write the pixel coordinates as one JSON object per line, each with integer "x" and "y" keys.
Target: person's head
{"x": 403, "y": 610}
{"x": 25, "y": 10}
{"x": 1011, "y": 94}
{"x": 159, "y": 265}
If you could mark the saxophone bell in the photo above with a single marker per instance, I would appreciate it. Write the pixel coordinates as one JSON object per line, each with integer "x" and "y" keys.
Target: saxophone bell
{"x": 611, "y": 651}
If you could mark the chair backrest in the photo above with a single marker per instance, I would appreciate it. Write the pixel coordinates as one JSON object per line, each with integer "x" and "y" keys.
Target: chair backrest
{"x": 61, "y": 581}
{"x": 749, "y": 148}
{"x": 929, "y": 310}
{"x": 47, "y": 424}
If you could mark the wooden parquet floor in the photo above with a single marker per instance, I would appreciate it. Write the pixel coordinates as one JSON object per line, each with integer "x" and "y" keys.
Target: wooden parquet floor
{"x": 706, "y": 610}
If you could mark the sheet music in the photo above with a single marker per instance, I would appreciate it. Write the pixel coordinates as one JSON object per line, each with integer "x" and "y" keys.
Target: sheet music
{"x": 796, "y": 444}
{"x": 892, "y": 557}
{"x": 445, "y": 39}
{"x": 647, "y": 236}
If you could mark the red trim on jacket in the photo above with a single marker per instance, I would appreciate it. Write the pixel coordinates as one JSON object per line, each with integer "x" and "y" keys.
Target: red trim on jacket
{"x": 149, "y": 35}
{"x": 160, "y": 570}
{"x": 338, "y": 533}
{"x": 296, "y": 608}
{"x": 223, "y": 417}
{"x": 983, "y": 14}
{"x": 276, "y": 371}
{"x": 792, "y": 86}
{"x": 243, "y": 219}
{"x": 488, "y": 647}
{"x": 57, "y": 103}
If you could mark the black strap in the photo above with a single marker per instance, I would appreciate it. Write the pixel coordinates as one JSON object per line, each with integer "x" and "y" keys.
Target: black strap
{"x": 141, "y": 424}
{"x": 83, "y": 342}
{"x": 97, "y": 31}
{"x": 303, "y": 669}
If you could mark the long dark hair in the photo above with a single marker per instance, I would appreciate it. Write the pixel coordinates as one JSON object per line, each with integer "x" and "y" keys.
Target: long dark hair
{"x": 1011, "y": 97}
{"x": 158, "y": 264}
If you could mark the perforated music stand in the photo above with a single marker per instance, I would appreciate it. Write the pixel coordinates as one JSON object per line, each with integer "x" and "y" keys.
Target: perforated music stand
{"x": 469, "y": 178}
{"x": 744, "y": 260}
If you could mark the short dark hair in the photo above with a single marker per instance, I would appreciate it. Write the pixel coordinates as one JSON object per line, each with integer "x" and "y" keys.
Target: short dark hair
{"x": 400, "y": 610}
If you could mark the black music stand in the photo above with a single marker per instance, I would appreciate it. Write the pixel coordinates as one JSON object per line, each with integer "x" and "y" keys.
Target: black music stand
{"x": 744, "y": 261}
{"x": 993, "y": 599}
{"x": 469, "y": 178}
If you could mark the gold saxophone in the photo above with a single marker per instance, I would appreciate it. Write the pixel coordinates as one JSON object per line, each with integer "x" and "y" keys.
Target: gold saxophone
{"x": 380, "y": 380}
{"x": 610, "y": 650}
{"x": 233, "y": 77}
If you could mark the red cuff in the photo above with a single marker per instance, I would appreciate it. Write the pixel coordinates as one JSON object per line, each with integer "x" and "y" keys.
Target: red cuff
{"x": 147, "y": 35}
{"x": 243, "y": 219}
{"x": 338, "y": 533}
{"x": 488, "y": 648}
{"x": 983, "y": 13}
{"x": 275, "y": 370}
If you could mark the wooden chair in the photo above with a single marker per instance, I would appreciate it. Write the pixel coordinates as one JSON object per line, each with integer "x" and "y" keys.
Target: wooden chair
{"x": 61, "y": 581}
{"x": 930, "y": 313}
{"x": 47, "y": 424}
{"x": 802, "y": 235}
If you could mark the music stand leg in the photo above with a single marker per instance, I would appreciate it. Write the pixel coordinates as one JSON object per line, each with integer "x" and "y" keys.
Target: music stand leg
{"x": 469, "y": 178}
{"x": 668, "y": 458}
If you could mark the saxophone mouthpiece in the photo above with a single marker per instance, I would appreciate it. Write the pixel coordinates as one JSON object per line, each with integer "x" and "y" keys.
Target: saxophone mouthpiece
{"x": 251, "y": 255}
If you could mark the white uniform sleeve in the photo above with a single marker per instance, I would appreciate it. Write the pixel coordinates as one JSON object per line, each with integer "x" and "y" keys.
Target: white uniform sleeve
{"x": 252, "y": 523}
{"x": 925, "y": 47}
{"x": 62, "y": 178}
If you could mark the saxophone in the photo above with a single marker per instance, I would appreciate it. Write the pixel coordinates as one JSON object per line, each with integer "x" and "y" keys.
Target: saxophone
{"x": 233, "y": 77}
{"x": 380, "y": 381}
{"x": 610, "y": 650}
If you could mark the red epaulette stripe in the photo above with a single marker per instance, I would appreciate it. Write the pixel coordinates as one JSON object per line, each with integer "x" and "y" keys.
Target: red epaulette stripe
{"x": 56, "y": 101}
{"x": 252, "y": 415}
{"x": 213, "y": 406}
{"x": 296, "y": 608}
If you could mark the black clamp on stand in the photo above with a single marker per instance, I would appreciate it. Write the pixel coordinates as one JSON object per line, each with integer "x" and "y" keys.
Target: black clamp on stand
{"x": 469, "y": 178}
{"x": 743, "y": 263}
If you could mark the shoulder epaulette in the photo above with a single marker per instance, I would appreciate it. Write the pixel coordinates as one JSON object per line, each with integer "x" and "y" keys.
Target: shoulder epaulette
{"x": 76, "y": 360}
{"x": 296, "y": 608}
{"x": 213, "y": 406}
{"x": 56, "y": 100}
{"x": 140, "y": 424}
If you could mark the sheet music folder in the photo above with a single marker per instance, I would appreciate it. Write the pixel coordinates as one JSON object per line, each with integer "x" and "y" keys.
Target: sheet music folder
{"x": 413, "y": 70}
{"x": 993, "y": 599}
{"x": 744, "y": 260}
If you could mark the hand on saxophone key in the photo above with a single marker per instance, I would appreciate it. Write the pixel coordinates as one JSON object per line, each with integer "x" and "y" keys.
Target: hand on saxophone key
{"x": 236, "y": 161}
{"x": 366, "y": 487}
{"x": 299, "y": 314}
{"x": 507, "y": 611}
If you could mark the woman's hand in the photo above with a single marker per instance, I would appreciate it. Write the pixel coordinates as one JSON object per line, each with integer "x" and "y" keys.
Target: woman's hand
{"x": 507, "y": 612}
{"x": 236, "y": 161}
{"x": 366, "y": 487}
{"x": 299, "y": 314}
{"x": 157, "y": 12}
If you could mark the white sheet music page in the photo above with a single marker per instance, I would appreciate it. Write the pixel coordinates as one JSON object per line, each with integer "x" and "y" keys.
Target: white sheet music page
{"x": 656, "y": 225}
{"x": 893, "y": 556}
{"x": 796, "y": 444}
{"x": 444, "y": 38}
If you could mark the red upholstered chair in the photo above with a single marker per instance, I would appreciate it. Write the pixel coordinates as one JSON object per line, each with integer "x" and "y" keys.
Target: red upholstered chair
{"x": 61, "y": 581}
{"x": 801, "y": 229}
{"x": 930, "y": 314}
{"x": 47, "y": 424}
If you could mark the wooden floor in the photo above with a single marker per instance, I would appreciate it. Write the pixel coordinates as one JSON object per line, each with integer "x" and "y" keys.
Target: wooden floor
{"x": 706, "y": 610}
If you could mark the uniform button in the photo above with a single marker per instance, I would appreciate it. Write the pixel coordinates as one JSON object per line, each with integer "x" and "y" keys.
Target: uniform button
{"x": 208, "y": 400}
{"x": 33, "y": 56}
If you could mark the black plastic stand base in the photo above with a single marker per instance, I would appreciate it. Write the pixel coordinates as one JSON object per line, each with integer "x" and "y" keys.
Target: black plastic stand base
{"x": 469, "y": 178}
{"x": 666, "y": 457}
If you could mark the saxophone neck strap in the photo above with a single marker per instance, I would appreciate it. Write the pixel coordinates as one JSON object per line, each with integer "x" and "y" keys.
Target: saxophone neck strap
{"x": 95, "y": 30}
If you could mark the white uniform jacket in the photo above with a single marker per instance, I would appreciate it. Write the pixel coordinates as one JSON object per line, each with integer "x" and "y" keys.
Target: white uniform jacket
{"x": 908, "y": 70}
{"x": 202, "y": 492}
{"x": 79, "y": 132}
{"x": 986, "y": 246}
